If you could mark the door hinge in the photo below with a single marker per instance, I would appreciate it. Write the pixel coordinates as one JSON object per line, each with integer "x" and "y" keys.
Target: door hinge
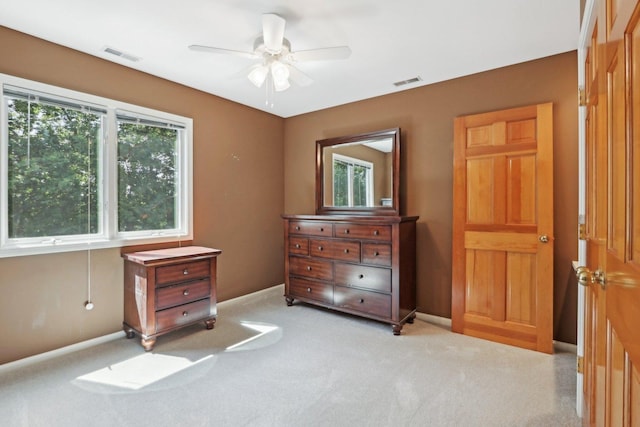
{"x": 580, "y": 364}
{"x": 582, "y": 231}
{"x": 582, "y": 97}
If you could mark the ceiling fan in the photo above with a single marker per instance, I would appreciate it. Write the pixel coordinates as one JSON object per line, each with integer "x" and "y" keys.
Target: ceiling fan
{"x": 277, "y": 59}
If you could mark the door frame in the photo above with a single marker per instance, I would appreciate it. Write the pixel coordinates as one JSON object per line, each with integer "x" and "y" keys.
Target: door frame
{"x": 586, "y": 28}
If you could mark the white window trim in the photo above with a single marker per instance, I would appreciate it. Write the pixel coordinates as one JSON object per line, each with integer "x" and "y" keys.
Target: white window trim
{"x": 109, "y": 236}
{"x": 354, "y": 161}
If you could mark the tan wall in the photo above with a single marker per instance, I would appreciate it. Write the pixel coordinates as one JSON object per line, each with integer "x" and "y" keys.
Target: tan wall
{"x": 426, "y": 117}
{"x": 238, "y": 199}
{"x": 239, "y": 157}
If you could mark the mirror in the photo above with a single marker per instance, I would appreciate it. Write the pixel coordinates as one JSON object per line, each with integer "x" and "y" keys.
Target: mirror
{"x": 359, "y": 174}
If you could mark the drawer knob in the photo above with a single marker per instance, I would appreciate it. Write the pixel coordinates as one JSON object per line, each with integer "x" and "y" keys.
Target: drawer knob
{"x": 376, "y": 253}
{"x": 185, "y": 271}
{"x": 297, "y": 228}
{"x": 361, "y": 300}
{"x": 309, "y": 290}
{"x": 360, "y": 276}
{"x": 297, "y": 245}
{"x": 320, "y": 248}
{"x": 185, "y": 292}
{"x": 376, "y": 232}
{"x": 346, "y": 251}
{"x": 321, "y": 229}
{"x": 346, "y": 231}
{"x": 308, "y": 268}
{"x": 185, "y": 313}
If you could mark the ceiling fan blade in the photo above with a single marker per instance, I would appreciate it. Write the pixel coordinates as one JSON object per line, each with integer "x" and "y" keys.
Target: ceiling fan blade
{"x": 298, "y": 77}
{"x": 322, "y": 54}
{"x": 273, "y": 32}
{"x": 211, "y": 49}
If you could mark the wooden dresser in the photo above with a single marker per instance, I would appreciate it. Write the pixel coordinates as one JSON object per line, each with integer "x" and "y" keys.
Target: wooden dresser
{"x": 167, "y": 289}
{"x": 361, "y": 265}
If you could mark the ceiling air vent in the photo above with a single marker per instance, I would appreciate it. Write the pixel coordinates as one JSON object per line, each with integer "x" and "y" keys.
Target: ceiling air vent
{"x": 121, "y": 54}
{"x": 408, "y": 81}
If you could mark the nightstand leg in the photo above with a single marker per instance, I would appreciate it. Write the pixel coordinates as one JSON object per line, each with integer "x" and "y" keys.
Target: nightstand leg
{"x": 129, "y": 332}
{"x": 289, "y": 301}
{"x": 210, "y": 323}
{"x": 148, "y": 343}
{"x": 397, "y": 329}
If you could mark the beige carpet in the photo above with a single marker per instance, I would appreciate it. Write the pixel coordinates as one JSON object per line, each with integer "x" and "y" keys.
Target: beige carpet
{"x": 266, "y": 364}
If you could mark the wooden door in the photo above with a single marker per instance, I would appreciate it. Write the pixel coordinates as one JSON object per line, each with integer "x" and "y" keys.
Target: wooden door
{"x": 612, "y": 274}
{"x": 503, "y": 227}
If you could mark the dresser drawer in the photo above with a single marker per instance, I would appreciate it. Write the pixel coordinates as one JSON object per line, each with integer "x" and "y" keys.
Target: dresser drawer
{"x": 299, "y": 245}
{"x": 358, "y": 276}
{"x": 364, "y": 231}
{"x": 169, "y": 296}
{"x": 311, "y": 228}
{"x": 182, "y": 314}
{"x": 376, "y": 254}
{"x": 311, "y": 268}
{"x": 318, "y": 291}
{"x": 363, "y": 301}
{"x": 182, "y": 272}
{"x": 343, "y": 250}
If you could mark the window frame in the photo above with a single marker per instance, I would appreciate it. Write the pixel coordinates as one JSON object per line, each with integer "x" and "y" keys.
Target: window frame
{"x": 351, "y": 162}
{"x": 108, "y": 235}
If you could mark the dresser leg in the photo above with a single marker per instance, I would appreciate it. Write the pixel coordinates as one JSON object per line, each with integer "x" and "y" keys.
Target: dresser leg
{"x": 148, "y": 343}
{"x": 210, "y": 323}
{"x": 129, "y": 332}
{"x": 289, "y": 301}
{"x": 397, "y": 329}
{"x": 411, "y": 318}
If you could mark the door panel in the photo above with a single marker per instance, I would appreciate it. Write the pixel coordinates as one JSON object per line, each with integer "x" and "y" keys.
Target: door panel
{"x": 503, "y": 203}
{"x": 612, "y": 303}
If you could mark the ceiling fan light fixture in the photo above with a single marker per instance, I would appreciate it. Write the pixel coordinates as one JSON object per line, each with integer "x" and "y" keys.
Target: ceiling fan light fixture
{"x": 280, "y": 74}
{"x": 258, "y": 75}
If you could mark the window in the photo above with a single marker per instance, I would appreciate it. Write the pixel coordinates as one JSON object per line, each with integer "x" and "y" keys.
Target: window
{"x": 147, "y": 175}
{"x": 78, "y": 170}
{"x": 352, "y": 182}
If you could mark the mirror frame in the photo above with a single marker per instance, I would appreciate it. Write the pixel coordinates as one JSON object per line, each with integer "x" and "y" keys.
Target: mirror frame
{"x": 394, "y": 209}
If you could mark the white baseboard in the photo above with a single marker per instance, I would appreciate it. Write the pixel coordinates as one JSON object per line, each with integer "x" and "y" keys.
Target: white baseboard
{"x": 445, "y": 322}
{"x": 565, "y": 347}
{"x": 21, "y": 363}
{"x": 436, "y": 320}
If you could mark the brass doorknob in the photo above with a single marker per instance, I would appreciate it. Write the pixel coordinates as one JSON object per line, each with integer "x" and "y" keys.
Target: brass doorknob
{"x": 587, "y": 277}
{"x": 584, "y": 276}
{"x": 544, "y": 238}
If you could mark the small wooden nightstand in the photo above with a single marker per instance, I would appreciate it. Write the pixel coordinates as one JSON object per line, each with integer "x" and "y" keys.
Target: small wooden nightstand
{"x": 167, "y": 289}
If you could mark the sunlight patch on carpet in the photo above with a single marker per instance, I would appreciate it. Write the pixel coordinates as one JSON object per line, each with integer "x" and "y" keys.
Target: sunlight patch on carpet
{"x": 140, "y": 371}
{"x": 264, "y": 330}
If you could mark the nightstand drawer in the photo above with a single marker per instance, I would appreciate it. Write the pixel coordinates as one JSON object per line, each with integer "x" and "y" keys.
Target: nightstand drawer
{"x": 182, "y": 314}
{"x": 318, "y": 291}
{"x": 363, "y": 301}
{"x": 311, "y": 268}
{"x": 170, "y": 296}
{"x": 358, "y": 276}
{"x": 182, "y": 272}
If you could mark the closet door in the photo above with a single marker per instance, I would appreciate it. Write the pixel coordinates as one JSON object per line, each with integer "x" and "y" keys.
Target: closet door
{"x": 503, "y": 227}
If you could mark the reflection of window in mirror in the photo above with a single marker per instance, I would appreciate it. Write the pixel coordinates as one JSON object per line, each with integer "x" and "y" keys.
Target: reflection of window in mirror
{"x": 352, "y": 182}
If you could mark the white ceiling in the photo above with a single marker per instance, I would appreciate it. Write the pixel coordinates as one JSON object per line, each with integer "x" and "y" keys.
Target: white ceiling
{"x": 391, "y": 40}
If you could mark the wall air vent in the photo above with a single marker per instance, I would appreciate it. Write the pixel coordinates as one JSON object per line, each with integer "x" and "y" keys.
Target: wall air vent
{"x": 408, "y": 81}
{"x": 121, "y": 54}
